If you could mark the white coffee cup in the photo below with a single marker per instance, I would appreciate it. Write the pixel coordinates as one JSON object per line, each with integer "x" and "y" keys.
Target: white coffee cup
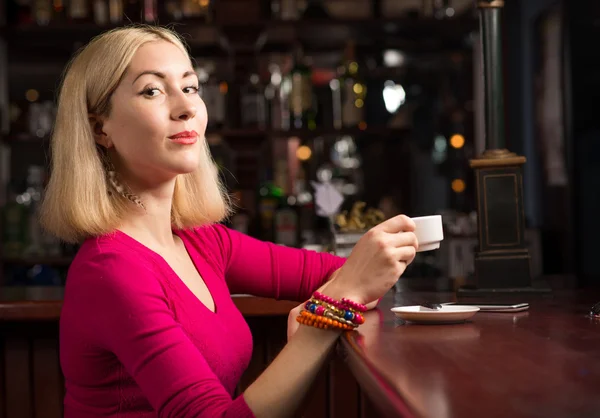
{"x": 429, "y": 232}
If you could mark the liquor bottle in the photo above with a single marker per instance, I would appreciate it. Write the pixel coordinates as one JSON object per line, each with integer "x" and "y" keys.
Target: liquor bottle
{"x": 277, "y": 94}
{"x": 32, "y": 199}
{"x": 302, "y": 103}
{"x": 14, "y": 224}
{"x": 268, "y": 200}
{"x": 150, "y": 11}
{"x": 78, "y": 10}
{"x": 115, "y": 11}
{"x": 353, "y": 90}
{"x": 286, "y": 222}
{"x": 253, "y": 101}
{"x": 213, "y": 91}
{"x": 173, "y": 9}
{"x": 42, "y": 12}
{"x": 240, "y": 220}
{"x": 100, "y": 12}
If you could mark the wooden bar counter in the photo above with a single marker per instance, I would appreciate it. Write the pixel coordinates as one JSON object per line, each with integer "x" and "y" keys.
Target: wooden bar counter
{"x": 32, "y": 386}
{"x": 544, "y": 362}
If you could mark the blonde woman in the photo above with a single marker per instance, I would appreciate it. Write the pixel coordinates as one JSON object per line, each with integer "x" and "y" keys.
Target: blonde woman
{"x": 148, "y": 326}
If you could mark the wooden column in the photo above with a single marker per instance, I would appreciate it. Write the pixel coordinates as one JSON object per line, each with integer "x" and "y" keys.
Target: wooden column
{"x": 502, "y": 262}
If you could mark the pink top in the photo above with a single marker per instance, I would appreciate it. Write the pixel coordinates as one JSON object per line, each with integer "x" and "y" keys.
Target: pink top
{"x": 136, "y": 342}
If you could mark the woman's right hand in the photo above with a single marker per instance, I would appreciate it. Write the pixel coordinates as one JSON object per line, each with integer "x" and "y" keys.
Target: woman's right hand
{"x": 377, "y": 261}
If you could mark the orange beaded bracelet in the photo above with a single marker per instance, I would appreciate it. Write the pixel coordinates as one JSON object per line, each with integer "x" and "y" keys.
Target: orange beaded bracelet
{"x": 317, "y": 321}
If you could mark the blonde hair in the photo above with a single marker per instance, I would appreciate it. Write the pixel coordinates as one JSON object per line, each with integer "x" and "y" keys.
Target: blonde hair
{"x": 78, "y": 203}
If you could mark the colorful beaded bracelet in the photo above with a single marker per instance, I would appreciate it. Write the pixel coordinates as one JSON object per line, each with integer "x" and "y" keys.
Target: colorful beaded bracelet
{"x": 307, "y": 318}
{"x": 346, "y": 314}
{"x": 341, "y": 304}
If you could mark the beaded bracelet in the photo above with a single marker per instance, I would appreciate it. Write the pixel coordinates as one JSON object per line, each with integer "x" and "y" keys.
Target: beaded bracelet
{"x": 307, "y": 318}
{"x": 321, "y": 308}
{"x": 343, "y": 304}
{"x": 346, "y": 306}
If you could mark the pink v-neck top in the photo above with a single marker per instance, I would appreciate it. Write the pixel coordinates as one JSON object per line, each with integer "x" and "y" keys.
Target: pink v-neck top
{"x": 136, "y": 342}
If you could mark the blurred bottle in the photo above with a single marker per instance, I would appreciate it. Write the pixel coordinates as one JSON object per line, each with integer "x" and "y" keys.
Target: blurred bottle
{"x": 268, "y": 200}
{"x": 79, "y": 10}
{"x": 100, "y": 12}
{"x": 115, "y": 11}
{"x": 32, "y": 198}
{"x": 213, "y": 90}
{"x": 302, "y": 103}
{"x": 173, "y": 9}
{"x": 253, "y": 101}
{"x": 42, "y": 12}
{"x": 277, "y": 94}
{"x": 14, "y": 224}
{"x": 240, "y": 220}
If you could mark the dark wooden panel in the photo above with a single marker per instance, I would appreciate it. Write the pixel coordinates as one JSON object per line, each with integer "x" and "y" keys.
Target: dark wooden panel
{"x": 257, "y": 362}
{"x": 316, "y": 404}
{"x": 343, "y": 390}
{"x": 18, "y": 378}
{"x": 47, "y": 379}
{"x": 34, "y": 386}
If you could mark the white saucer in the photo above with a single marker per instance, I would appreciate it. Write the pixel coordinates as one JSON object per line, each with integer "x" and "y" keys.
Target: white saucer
{"x": 447, "y": 314}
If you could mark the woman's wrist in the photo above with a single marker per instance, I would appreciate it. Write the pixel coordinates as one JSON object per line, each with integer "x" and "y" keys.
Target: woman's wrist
{"x": 338, "y": 291}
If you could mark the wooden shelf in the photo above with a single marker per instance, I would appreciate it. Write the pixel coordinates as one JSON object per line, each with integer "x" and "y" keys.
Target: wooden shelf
{"x": 419, "y": 35}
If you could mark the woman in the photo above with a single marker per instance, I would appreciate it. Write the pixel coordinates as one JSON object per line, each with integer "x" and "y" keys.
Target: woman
{"x": 148, "y": 327}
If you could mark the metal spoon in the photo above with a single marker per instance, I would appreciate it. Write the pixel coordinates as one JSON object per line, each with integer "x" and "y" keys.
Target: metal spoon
{"x": 432, "y": 306}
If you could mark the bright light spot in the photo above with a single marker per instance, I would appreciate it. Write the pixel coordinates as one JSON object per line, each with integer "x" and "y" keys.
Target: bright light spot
{"x": 303, "y": 153}
{"x": 457, "y": 141}
{"x": 393, "y": 58}
{"x": 440, "y": 144}
{"x": 458, "y": 185}
{"x": 394, "y": 96}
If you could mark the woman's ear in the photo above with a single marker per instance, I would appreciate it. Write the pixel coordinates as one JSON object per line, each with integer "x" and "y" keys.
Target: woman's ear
{"x": 100, "y": 136}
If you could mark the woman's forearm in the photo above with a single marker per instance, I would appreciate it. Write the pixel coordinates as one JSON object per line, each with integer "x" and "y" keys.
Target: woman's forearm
{"x": 280, "y": 389}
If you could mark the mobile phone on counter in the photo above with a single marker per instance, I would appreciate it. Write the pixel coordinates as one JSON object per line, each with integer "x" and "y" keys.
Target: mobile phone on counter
{"x": 494, "y": 307}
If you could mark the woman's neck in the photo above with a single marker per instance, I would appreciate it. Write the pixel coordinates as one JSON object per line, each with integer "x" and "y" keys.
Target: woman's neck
{"x": 152, "y": 226}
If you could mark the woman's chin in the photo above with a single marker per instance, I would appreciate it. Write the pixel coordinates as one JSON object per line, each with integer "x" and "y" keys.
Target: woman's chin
{"x": 185, "y": 165}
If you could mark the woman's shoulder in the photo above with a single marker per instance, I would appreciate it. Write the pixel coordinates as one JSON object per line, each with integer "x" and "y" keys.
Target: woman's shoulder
{"x": 210, "y": 237}
{"x": 108, "y": 255}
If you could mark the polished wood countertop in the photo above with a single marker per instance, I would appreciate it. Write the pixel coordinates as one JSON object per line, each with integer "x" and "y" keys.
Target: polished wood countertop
{"x": 45, "y": 303}
{"x": 544, "y": 362}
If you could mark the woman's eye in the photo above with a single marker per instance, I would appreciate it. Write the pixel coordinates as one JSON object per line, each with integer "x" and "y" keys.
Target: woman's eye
{"x": 151, "y": 92}
{"x": 190, "y": 89}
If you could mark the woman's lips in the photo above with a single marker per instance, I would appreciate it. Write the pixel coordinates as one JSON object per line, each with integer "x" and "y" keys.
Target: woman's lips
{"x": 185, "y": 137}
